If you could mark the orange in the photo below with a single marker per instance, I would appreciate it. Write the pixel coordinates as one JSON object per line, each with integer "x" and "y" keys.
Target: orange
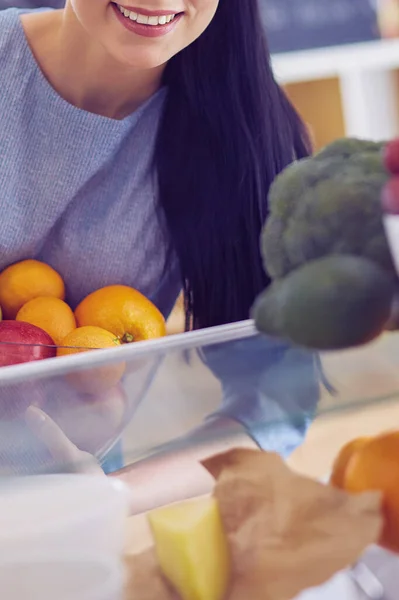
{"x": 51, "y": 314}
{"x": 375, "y": 466}
{"x": 26, "y": 280}
{"x": 343, "y": 459}
{"x": 98, "y": 379}
{"x": 124, "y": 311}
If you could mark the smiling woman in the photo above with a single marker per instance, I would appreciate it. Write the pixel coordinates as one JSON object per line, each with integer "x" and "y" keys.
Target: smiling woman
{"x": 152, "y": 44}
{"x": 138, "y": 143}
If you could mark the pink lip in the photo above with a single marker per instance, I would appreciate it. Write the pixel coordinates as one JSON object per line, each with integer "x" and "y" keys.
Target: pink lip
{"x": 150, "y": 31}
{"x": 151, "y": 13}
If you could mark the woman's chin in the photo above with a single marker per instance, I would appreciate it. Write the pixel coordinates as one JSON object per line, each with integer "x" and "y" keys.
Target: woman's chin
{"x": 142, "y": 59}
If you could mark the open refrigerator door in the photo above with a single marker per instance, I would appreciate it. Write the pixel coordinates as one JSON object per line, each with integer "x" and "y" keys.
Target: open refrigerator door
{"x": 284, "y": 399}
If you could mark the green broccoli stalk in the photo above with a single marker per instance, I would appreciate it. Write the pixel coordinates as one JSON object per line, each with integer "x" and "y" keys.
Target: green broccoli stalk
{"x": 331, "y": 303}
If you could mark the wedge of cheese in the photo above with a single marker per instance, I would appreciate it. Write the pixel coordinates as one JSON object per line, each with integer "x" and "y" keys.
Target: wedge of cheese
{"x": 192, "y": 549}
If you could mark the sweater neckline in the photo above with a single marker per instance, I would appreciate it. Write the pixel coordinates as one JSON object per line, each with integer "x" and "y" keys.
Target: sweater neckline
{"x": 59, "y": 102}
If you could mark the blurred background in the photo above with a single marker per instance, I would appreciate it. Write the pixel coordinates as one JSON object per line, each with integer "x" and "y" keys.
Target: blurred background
{"x": 339, "y": 63}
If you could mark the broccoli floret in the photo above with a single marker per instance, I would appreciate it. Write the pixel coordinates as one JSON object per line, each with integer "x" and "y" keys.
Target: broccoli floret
{"x": 325, "y": 205}
{"x": 347, "y": 147}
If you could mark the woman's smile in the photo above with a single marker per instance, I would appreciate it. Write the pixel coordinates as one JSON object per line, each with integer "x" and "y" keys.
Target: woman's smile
{"x": 147, "y": 23}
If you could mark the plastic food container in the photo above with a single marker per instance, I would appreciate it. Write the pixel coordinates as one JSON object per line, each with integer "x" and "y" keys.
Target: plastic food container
{"x": 63, "y": 537}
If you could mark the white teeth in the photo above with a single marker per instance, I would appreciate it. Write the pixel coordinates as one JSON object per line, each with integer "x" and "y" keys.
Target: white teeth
{"x": 144, "y": 19}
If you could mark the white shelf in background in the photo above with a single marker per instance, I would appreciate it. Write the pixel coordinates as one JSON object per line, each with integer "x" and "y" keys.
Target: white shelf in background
{"x": 369, "y": 89}
{"x": 322, "y": 63}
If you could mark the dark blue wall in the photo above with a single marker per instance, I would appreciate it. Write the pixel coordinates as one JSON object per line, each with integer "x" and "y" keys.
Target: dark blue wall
{"x": 304, "y": 24}
{"x": 294, "y": 24}
{"x": 31, "y": 3}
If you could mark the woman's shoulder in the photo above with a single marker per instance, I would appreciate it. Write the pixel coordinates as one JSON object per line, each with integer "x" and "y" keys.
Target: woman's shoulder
{"x": 12, "y": 32}
{"x": 9, "y": 19}
{"x": 12, "y": 39}
{"x": 16, "y": 59}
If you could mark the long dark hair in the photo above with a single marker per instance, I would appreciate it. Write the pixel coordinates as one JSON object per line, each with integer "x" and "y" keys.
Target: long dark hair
{"x": 227, "y": 131}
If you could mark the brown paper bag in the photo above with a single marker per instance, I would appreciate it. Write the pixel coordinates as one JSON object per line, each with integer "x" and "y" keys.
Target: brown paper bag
{"x": 144, "y": 578}
{"x": 287, "y": 533}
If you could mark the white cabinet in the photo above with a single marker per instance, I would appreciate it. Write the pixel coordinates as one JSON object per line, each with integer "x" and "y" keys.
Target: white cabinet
{"x": 368, "y": 82}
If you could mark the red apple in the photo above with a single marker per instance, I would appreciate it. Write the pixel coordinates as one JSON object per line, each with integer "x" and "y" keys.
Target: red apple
{"x": 22, "y": 342}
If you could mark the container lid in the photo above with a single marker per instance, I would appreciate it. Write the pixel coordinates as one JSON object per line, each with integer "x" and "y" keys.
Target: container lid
{"x": 66, "y": 580}
{"x": 62, "y": 515}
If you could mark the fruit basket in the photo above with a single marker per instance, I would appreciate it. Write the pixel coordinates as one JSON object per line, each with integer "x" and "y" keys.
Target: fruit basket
{"x": 288, "y": 399}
